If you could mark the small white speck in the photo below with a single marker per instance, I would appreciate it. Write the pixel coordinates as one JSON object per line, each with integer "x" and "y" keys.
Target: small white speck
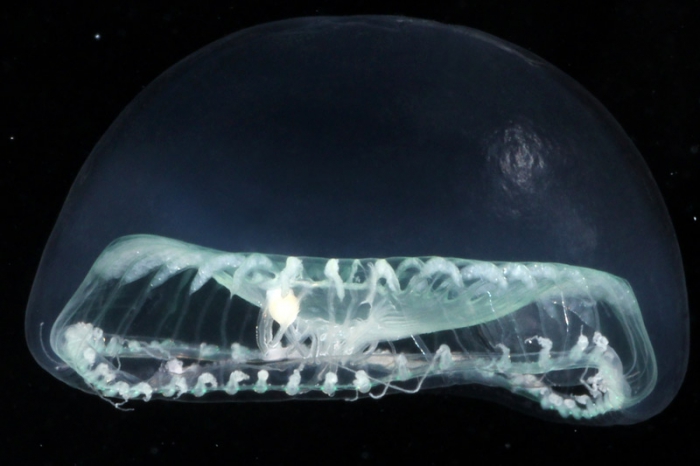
{"x": 98, "y": 36}
{"x": 695, "y": 219}
{"x": 12, "y": 138}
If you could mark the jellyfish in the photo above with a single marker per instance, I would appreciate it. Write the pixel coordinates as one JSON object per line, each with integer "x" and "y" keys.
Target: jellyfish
{"x": 351, "y": 207}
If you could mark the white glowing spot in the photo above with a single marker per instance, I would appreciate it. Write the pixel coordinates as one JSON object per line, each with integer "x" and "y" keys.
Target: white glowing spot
{"x": 98, "y": 36}
{"x": 283, "y": 309}
{"x": 174, "y": 366}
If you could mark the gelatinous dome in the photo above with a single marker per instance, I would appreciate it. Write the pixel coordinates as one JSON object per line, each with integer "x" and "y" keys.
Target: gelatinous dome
{"x": 374, "y": 137}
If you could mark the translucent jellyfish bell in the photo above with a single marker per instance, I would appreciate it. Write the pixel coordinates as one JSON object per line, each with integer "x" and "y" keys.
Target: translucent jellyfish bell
{"x": 358, "y": 206}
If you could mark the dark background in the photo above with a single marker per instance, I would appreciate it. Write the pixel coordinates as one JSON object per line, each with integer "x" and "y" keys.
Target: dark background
{"x": 61, "y": 88}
